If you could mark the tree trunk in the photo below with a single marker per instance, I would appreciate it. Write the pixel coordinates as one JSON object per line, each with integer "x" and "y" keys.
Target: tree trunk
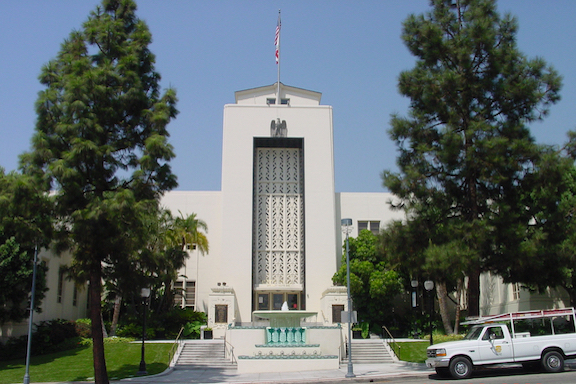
{"x": 442, "y": 294}
{"x": 100, "y": 373}
{"x": 474, "y": 292}
{"x": 116, "y": 315}
{"x": 458, "y": 306}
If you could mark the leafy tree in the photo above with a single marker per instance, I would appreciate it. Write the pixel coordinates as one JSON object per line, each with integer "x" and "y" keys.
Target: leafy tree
{"x": 25, "y": 223}
{"x": 164, "y": 253}
{"x": 373, "y": 284}
{"x": 549, "y": 247}
{"x": 101, "y": 143}
{"x": 464, "y": 147}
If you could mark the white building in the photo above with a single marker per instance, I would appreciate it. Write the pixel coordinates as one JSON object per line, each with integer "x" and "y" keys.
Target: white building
{"x": 63, "y": 300}
{"x": 274, "y": 229}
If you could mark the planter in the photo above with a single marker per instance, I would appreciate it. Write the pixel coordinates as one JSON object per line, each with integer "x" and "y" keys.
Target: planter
{"x": 356, "y": 334}
{"x": 208, "y": 335}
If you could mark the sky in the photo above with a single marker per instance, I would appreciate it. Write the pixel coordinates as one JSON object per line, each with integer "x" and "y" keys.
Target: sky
{"x": 350, "y": 51}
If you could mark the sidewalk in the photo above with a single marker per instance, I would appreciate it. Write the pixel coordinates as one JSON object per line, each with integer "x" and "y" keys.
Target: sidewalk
{"x": 364, "y": 373}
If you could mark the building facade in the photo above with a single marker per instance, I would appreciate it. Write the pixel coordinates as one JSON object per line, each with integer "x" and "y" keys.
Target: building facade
{"x": 274, "y": 228}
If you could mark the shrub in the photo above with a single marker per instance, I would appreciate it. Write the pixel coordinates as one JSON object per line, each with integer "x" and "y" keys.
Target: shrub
{"x": 192, "y": 329}
{"x": 83, "y": 328}
{"x": 134, "y": 331}
{"x": 49, "y": 336}
{"x": 14, "y": 348}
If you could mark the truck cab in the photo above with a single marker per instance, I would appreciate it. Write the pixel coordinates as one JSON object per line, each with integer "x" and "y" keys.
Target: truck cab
{"x": 507, "y": 339}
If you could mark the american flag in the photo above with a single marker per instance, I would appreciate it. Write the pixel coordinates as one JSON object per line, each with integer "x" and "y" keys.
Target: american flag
{"x": 277, "y": 39}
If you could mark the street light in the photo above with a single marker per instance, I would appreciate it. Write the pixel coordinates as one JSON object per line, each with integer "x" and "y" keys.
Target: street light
{"x": 414, "y": 297}
{"x": 414, "y": 284}
{"x": 145, "y": 293}
{"x": 347, "y": 228}
{"x": 429, "y": 286}
{"x": 30, "y": 320}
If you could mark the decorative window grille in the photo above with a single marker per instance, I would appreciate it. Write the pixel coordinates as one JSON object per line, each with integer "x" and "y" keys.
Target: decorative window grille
{"x": 279, "y": 218}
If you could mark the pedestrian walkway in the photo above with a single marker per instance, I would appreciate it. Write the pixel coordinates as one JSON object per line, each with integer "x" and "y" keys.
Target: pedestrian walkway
{"x": 363, "y": 372}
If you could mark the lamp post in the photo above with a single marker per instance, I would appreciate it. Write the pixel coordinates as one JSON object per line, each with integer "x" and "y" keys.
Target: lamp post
{"x": 145, "y": 293}
{"x": 429, "y": 286}
{"x": 347, "y": 228}
{"x": 30, "y": 320}
{"x": 414, "y": 284}
{"x": 414, "y": 299}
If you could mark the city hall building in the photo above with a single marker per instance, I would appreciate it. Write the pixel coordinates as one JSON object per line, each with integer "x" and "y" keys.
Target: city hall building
{"x": 274, "y": 229}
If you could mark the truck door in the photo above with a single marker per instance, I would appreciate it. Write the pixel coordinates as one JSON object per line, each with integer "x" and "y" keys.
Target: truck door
{"x": 495, "y": 345}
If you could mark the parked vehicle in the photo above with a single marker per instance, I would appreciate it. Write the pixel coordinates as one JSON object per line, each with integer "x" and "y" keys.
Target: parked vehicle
{"x": 537, "y": 339}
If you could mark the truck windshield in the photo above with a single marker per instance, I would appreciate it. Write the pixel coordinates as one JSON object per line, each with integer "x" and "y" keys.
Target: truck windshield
{"x": 474, "y": 333}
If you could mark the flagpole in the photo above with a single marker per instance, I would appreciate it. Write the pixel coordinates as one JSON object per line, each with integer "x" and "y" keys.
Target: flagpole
{"x": 278, "y": 27}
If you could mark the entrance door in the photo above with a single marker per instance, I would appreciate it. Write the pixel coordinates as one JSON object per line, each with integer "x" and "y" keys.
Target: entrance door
{"x": 274, "y": 300}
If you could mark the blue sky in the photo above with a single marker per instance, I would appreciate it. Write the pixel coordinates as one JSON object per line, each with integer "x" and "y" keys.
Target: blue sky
{"x": 350, "y": 51}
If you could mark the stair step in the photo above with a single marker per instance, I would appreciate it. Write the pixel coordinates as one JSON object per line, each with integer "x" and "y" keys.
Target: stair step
{"x": 206, "y": 354}
{"x": 368, "y": 352}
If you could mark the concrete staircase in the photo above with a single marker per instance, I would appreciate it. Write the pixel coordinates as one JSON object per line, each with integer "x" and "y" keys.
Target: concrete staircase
{"x": 368, "y": 351}
{"x": 205, "y": 354}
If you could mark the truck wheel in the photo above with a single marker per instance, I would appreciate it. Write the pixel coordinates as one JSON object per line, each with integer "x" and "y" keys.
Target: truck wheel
{"x": 443, "y": 372}
{"x": 553, "y": 362}
{"x": 460, "y": 368}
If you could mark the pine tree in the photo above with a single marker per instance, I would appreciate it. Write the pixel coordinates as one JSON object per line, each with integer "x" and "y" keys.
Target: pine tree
{"x": 101, "y": 144}
{"x": 465, "y": 146}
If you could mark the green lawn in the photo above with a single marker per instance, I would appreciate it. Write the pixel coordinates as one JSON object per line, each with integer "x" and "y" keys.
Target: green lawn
{"x": 122, "y": 360}
{"x": 413, "y": 351}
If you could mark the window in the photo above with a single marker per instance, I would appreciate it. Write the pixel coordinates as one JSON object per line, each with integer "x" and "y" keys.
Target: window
{"x": 190, "y": 294}
{"x": 272, "y": 101}
{"x": 75, "y": 296}
{"x": 563, "y": 325}
{"x": 337, "y": 313}
{"x": 292, "y": 300}
{"x": 534, "y": 327}
{"x": 373, "y": 226}
{"x": 493, "y": 333}
{"x": 221, "y": 313}
{"x": 274, "y": 300}
{"x": 263, "y": 301}
{"x": 278, "y": 300}
{"x": 516, "y": 291}
{"x": 178, "y": 293}
{"x": 60, "y": 291}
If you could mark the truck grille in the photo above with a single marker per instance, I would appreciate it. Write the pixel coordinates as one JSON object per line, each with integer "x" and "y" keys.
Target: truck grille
{"x": 431, "y": 353}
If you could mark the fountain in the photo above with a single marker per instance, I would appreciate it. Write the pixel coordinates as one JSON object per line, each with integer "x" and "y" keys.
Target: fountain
{"x": 284, "y": 317}
{"x": 286, "y": 346}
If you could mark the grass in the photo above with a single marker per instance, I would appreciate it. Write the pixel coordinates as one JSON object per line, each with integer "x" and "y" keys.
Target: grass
{"x": 122, "y": 361}
{"x": 415, "y": 351}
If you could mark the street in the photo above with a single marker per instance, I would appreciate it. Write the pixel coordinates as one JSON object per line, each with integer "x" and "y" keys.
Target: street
{"x": 512, "y": 375}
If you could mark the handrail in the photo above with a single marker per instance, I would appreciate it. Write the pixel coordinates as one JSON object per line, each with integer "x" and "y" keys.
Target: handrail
{"x": 231, "y": 350}
{"x": 345, "y": 344}
{"x": 175, "y": 346}
{"x": 395, "y": 346}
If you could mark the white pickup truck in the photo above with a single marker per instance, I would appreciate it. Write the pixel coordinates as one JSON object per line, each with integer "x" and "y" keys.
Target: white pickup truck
{"x": 534, "y": 338}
